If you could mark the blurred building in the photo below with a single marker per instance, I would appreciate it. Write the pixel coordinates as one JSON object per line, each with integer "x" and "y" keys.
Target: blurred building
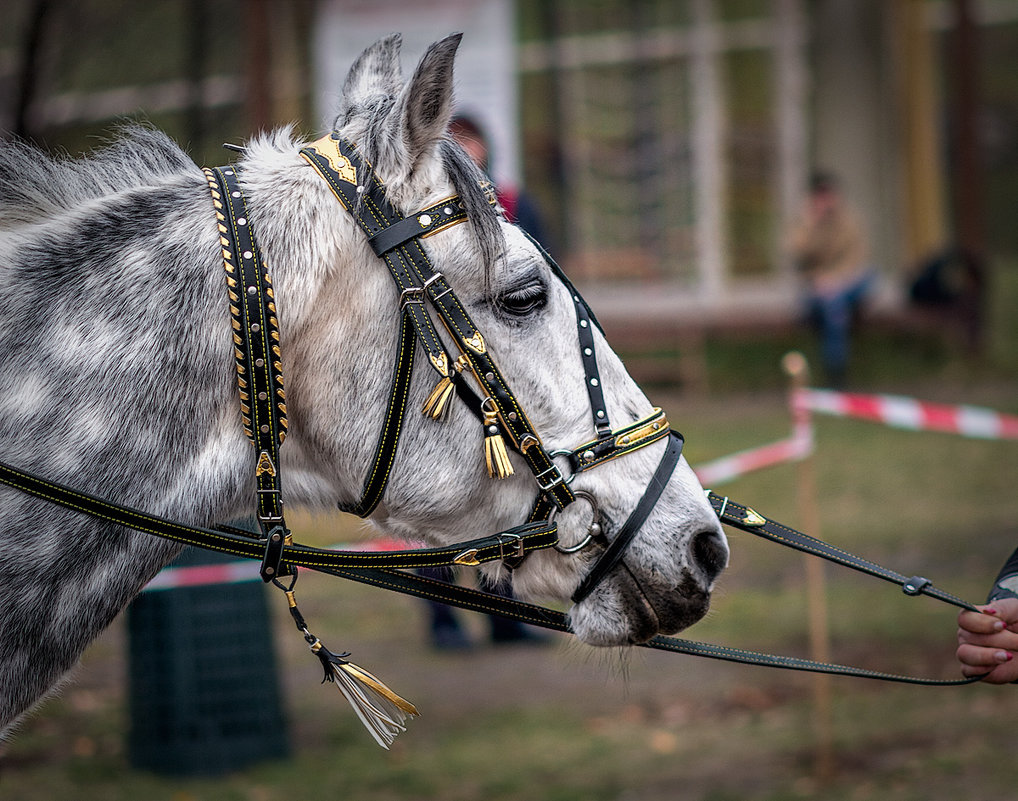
{"x": 666, "y": 141}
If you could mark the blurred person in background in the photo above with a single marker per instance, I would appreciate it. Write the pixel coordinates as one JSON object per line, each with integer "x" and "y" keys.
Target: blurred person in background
{"x": 831, "y": 253}
{"x": 446, "y": 631}
{"x": 519, "y": 207}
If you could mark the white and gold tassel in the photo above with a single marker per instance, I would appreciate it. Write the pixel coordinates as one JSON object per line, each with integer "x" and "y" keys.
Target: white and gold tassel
{"x": 382, "y": 711}
{"x": 495, "y": 454}
{"x": 437, "y": 403}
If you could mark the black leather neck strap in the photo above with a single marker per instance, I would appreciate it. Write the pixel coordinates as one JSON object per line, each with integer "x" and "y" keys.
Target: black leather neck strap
{"x": 257, "y": 354}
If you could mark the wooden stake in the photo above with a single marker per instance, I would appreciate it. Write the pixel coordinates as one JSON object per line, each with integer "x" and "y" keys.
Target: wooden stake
{"x": 797, "y": 368}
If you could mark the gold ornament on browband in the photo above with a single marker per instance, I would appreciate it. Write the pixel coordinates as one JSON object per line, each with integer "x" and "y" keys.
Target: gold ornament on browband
{"x": 328, "y": 148}
{"x": 496, "y": 457}
{"x": 437, "y": 404}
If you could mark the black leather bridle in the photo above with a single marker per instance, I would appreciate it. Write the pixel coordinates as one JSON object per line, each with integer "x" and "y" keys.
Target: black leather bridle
{"x": 397, "y": 240}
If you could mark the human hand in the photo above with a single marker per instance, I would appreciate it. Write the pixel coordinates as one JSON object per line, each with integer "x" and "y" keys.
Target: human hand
{"x": 988, "y": 641}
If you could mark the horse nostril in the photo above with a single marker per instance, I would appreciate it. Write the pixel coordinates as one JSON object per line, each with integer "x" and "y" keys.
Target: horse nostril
{"x": 710, "y": 553}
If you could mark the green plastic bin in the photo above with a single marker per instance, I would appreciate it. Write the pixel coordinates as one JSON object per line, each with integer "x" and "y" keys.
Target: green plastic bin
{"x": 203, "y": 684}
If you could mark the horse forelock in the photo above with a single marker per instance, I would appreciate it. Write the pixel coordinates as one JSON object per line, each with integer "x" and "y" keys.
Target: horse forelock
{"x": 466, "y": 180}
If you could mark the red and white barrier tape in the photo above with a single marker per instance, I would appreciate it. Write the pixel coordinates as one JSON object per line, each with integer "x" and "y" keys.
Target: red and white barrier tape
{"x": 907, "y": 413}
{"x": 172, "y": 578}
{"x": 727, "y": 468}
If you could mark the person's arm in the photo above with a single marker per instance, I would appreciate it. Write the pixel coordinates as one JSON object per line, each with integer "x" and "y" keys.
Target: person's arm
{"x": 988, "y": 639}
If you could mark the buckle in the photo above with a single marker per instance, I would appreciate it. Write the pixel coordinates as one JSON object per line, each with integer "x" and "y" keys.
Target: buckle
{"x": 515, "y": 540}
{"x": 412, "y": 294}
{"x": 415, "y": 294}
{"x": 275, "y": 504}
{"x": 556, "y": 481}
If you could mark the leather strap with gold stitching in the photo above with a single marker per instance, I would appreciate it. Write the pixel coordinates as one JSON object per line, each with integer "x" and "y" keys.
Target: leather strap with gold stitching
{"x": 257, "y": 355}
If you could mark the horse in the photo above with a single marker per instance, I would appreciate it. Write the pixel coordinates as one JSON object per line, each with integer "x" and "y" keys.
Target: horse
{"x": 118, "y": 375}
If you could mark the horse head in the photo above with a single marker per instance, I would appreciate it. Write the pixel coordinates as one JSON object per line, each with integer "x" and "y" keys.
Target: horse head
{"x": 340, "y": 317}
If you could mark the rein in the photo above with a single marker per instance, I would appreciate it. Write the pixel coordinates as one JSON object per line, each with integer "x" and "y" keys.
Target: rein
{"x": 397, "y": 241}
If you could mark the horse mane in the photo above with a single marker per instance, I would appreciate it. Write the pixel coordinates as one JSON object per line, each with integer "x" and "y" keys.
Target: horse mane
{"x": 36, "y": 186}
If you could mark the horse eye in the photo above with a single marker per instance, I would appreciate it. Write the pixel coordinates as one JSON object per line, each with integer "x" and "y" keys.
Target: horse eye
{"x": 525, "y": 300}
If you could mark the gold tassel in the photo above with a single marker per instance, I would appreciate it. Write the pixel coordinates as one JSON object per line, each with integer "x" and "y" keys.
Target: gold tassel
{"x": 437, "y": 403}
{"x": 495, "y": 454}
{"x": 382, "y": 711}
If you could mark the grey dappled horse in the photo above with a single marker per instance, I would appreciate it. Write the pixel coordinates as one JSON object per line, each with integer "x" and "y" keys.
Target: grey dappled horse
{"x": 117, "y": 374}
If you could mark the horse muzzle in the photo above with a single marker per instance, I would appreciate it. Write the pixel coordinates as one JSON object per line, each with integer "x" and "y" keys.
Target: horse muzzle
{"x": 634, "y": 603}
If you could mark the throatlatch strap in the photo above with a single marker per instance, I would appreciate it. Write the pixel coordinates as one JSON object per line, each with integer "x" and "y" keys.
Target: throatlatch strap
{"x": 388, "y": 437}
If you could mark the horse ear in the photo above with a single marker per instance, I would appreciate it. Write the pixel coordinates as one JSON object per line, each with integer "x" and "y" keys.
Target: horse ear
{"x": 376, "y": 71}
{"x": 425, "y": 104}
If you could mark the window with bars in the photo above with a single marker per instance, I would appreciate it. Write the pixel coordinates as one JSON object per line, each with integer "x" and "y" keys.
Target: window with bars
{"x": 662, "y": 138}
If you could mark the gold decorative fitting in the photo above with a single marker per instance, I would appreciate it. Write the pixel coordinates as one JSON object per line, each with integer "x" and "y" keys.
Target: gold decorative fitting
{"x": 328, "y": 148}
{"x": 753, "y": 518}
{"x": 440, "y": 362}
{"x": 467, "y": 557}
{"x": 475, "y": 343}
{"x": 650, "y": 428}
{"x": 528, "y": 442}
{"x": 265, "y": 465}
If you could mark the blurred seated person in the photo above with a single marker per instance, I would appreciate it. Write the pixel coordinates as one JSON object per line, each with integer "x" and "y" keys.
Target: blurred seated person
{"x": 831, "y": 253}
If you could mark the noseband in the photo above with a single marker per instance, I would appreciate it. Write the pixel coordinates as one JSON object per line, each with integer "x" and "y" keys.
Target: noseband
{"x": 397, "y": 240}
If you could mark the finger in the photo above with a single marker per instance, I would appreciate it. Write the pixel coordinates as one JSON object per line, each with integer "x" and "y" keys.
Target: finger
{"x": 1006, "y": 640}
{"x": 980, "y": 622}
{"x": 978, "y": 656}
{"x": 1001, "y": 674}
